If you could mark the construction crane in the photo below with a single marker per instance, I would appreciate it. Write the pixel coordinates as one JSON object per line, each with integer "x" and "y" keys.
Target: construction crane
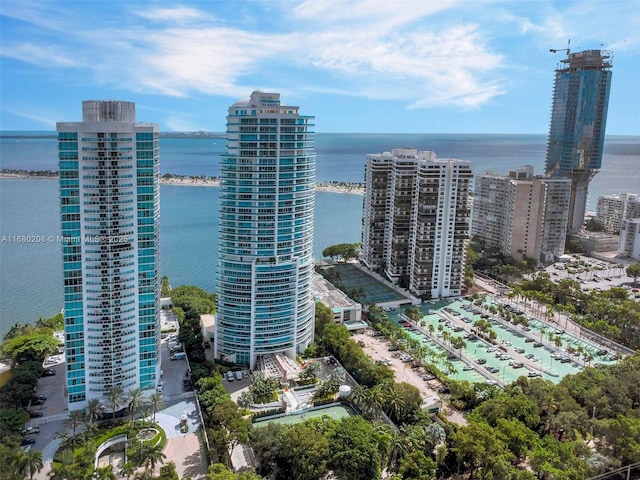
{"x": 567, "y": 50}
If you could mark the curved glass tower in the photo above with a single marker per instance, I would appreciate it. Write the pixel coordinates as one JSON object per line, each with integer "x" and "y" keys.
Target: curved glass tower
{"x": 267, "y": 194}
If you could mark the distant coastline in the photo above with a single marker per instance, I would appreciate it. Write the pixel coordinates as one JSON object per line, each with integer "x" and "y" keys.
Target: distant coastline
{"x": 190, "y": 181}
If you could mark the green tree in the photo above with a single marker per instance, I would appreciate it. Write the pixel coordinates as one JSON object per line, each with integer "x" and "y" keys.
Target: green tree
{"x": 156, "y": 402}
{"x": 104, "y": 473}
{"x": 152, "y": 455}
{"x": 633, "y": 271}
{"x": 95, "y": 410}
{"x": 135, "y": 399}
{"x": 76, "y": 418}
{"x": 27, "y": 463}
{"x": 417, "y": 466}
{"x": 165, "y": 287}
{"x": 303, "y": 452}
{"x": 481, "y": 449}
{"x": 354, "y": 452}
{"x": 324, "y": 316}
{"x": 127, "y": 469}
{"x": 114, "y": 399}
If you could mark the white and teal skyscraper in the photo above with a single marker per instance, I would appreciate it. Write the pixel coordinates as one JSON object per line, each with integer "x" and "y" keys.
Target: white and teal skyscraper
{"x": 109, "y": 211}
{"x": 267, "y": 194}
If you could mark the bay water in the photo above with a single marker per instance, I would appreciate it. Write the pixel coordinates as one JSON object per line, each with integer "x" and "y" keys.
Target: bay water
{"x": 31, "y": 273}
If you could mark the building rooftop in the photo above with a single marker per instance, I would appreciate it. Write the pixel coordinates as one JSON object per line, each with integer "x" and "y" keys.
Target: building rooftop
{"x": 330, "y": 295}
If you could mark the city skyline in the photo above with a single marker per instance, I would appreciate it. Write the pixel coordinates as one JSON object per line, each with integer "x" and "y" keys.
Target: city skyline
{"x": 453, "y": 69}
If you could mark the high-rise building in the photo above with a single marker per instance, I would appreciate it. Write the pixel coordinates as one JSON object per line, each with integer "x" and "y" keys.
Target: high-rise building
{"x": 267, "y": 193}
{"x": 629, "y": 244}
{"x": 416, "y": 220}
{"x": 520, "y": 215}
{"x": 577, "y": 127}
{"x": 109, "y": 211}
{"x": 611, "y": 210}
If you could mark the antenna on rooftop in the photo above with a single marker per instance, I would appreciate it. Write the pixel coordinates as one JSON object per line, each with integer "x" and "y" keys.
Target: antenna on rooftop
{"x": 567, "y": 50}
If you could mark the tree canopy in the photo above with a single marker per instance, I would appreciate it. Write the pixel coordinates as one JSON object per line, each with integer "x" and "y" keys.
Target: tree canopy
{"x": 343, "y": 251}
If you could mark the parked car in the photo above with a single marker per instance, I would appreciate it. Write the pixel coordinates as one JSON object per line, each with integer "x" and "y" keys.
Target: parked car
{"x": 30, "y": 430}
{"x": 481, "y": 361}
{"x": 37, "y": 401}
{"x": 28, "y": 441}
{"x": 34, "y": 414}
{"x": 40, "y": 397}
{"x": 230, "y": 376}
{"x": 48, "y": 372}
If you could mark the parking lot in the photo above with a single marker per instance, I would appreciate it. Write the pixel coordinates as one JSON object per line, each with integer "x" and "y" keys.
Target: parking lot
{"x": 517, "y": 351}
{"x": 594, "y": 274}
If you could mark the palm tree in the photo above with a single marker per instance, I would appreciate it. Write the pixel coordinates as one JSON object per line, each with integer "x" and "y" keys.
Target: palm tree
{"x": 65, "y": 471}
{"x": 151, "y": 455}
{"x": 104, "y": 473}
{"x": 145, "y": 475}
{"x": 374, "y": 399}
{"x": 127, "y": 470}
{"x": 76, "y": 417}
{"x": 114, "y": 400}
{"x": 95, "y": 409}
{"x": 135, "y": 398}
{"x": 170, "y": 470}
{"x": 156, "y": 402}
{"x": 359, "y": 396}
{"x": 394, "y": 403}
{"x": 27, "y": 463}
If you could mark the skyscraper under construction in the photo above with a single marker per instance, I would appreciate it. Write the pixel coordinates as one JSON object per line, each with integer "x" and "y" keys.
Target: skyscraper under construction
{"x": 577, "y": 129}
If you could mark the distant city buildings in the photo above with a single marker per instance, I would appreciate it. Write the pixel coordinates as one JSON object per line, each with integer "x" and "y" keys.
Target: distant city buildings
{"x": 267, "y": 179}
{"x": 416, "y": 220}
{"x": 577, "y": 127}
{"x": 629, "y": 245}
{"x": 520, "y": 215}
{"x": 611, "y": 209}
{"x": 109, "y": 212}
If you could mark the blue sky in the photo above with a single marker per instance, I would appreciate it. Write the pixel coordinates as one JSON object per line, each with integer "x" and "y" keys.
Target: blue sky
{"x": 423, "y": 66}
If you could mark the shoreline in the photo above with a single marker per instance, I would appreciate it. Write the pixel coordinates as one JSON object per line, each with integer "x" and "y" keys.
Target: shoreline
{"x": 187, "y": 181}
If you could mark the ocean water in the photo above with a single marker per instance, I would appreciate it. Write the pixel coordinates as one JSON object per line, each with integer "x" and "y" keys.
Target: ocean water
{"x": 31, "y": 274}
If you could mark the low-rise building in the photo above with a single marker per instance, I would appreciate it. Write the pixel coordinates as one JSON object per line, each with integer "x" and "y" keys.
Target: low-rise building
{"x": 345, "y": 311}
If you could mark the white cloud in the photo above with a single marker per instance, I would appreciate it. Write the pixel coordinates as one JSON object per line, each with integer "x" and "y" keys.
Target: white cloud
{"x": 34, "y": 113}
{"x": 38, "y": 54}
{"x": 177, "y": 15}
{"x": 369, "y": 48}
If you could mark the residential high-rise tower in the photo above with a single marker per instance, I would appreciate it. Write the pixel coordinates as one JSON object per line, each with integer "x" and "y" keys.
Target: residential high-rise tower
{"x": 520, "y": 215}
{"x": 109, "y": 210}
{"x": 266, "y": 266}
{"x": 577, "y": 128}
{"x": 416, "y": 220}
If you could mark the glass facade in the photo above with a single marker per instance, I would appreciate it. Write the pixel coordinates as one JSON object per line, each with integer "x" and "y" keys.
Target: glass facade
{"x": 267, "y": 194}
{"x": 109, "y": 205}
{"x": 577, "y": 128}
